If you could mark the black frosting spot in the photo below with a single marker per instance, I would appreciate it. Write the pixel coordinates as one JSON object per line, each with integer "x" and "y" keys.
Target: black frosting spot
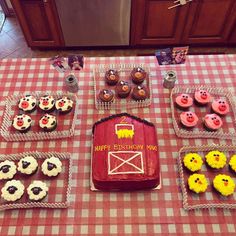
{"x": 33, "y": 104}
{"x": 5, "y": 168}
{"x": 53, "y": 123}
{"x": 51, "y": 166}
{"x": 36, "y": 190}
{"x": 25, "y": 164}
{"x": 12, "y": 189}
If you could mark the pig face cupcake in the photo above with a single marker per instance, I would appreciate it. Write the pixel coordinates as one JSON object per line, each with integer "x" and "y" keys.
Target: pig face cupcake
{"x": 220, "y": 107}
{"x": 48, "y": 122}
{"x": 212, "y": 122}
{"x": 47, "y": 103}
{"x": 202, "y": 97}
{"x": 183, "y": 101}
{"x": 64, "y": 105}
{"x": 27, "y": 103}
{"x": 22, "y": 123}
{"x": 188, "y": 119}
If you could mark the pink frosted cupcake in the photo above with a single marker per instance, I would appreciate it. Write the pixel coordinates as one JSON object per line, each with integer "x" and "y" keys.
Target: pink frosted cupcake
{"x": 202, "y": 97}
{"x": 212, "y": 122}
{"x": 183, "y": 101}
{"x": 188, "y": 119}
{"x": 220, "y": 107}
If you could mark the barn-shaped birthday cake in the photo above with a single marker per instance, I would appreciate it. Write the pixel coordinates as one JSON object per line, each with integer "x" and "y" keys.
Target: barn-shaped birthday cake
{"x": 124, "y": 154}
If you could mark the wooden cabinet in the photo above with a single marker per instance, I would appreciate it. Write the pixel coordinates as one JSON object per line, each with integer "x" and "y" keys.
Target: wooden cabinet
{"x": 201, "y": 22}
{"x": 209, "y": 21}
{"x": 39, "y": 22}
{"x": 153, "y": 24}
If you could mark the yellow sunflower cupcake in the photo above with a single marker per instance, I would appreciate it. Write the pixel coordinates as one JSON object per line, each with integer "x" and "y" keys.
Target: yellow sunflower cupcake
{"x": 224, "y": 184}
{"x": 216, "y": 159}
{"x": 197, "y": 183}
{"x": 232, "y": 163}
{"x": 193, "y": 161}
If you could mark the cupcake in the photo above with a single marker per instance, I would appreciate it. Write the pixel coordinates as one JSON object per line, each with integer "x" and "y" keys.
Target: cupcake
{"x": 188, "y": 119}
{"x": 220, "y": 107}
{"x": 202, "y": 97}
{"x": 140, "y": 92}
{"x": 51, "y": 166}
{"x": 27, "y": 165}
{"x": 37, "y": 190}
{"x": 123, "y": 89}
{"x": 106, "y": 95}
{"x": 224, "y": 184}
{"x": 183, "y": 101}
{"x": 197, "y": 183}
{"x": 22, "y": 123}
{"x": 13, "y": 190}
{"x": 138, "y": 75}
{"x": 212, "y": 122}
{"x": 48, "y": 122}
{"x": 111, "y": 77}
{"x": 7, "y": 169}
{"x": 232, "y": 163}
{"x": 27, "y": 103}
{"x": 47, "y": 103}
{"x": 216, "y": 159}
{"x": 64, "y": 105}
{"x": 193, "y": 161}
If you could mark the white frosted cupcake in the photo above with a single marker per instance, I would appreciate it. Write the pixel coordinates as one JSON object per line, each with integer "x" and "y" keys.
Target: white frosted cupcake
{"x": 27, "y": 103}
{"x": 7, "y": 169}
{"x": 37, "y": 190}
{"x": 47, "y": 103}
{"x": 22, "y": 123}
{"x": 12, "y": 190}
{"x": 51, "y": 166}
{"x": 48, "y": 122}
{"x": 27, "y": 165}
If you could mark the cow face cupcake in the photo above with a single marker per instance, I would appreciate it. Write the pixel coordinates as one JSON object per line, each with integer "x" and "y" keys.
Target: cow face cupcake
{"x": 37, "y": 191}
{"x": 224, "y": 184}
{"x": 27, "y": 103}
{"x": 48, "y": 122}
{"x": 64, "y": 105}
{"x": 22, "y": 123}
{"x": 220, "y": 107}
{"x": 188, "y": 119}
{"x": 111, "y": 77}
{"x": 212, "y": 122}
{"x": 202, "y": 97}
{"x": 27, "y": 165}
{"x": 197, "y": 183}
{"x": 106, "y": 95}
{"x": 138, "y": 75}
{"x": 51, "y": 166}
{"x": 47, "y": 103}
{"x": 12, "y": 190}
{"x": 216, "y": 159}
{"x": 193, "y": 161}
{"x": 140, "y": 93}
{"x": 123, "y": 89}
{"x": 183, "y": 101}
{"x": 7, "y": 169}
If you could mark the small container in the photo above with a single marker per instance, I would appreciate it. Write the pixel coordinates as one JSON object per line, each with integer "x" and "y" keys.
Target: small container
{"x": 169, "y": 79}
{"x": 72, "y": 83}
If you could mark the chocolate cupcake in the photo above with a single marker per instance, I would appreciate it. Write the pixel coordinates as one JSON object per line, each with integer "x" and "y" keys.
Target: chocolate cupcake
{"x": 140, "y": 93}
{"x": 22, "y": 123}
{"x": 138, "y": 75}
{"x": 106, "y": 95}
{"x": 220, "y": 107}
{"x": 37, "y": 190}
{"x": 111, "y": 77}
{"x": 212, "y": 122}
{"x": 48, "y": 122}
{"x": 27, "y": 103}
{"x": 7, "y": 169}
{"x": 27, "y": 165}
{"x": 123, "y": 89}
{"x": 202, "y": 97}
{"x": 47, "y": 103}
{"x": 64, "y": 105}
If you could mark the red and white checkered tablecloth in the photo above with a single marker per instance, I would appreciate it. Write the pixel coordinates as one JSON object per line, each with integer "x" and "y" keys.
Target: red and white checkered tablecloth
{"x": 135, "y": 213}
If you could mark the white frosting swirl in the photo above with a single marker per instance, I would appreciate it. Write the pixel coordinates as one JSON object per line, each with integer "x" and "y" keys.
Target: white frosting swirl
{"x": 12, "y": 190}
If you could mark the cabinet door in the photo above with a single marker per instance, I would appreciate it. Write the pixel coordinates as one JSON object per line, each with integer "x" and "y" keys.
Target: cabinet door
{"x": 208, "y": 21}
{"x": 154, "y": 24}
{"x": 39, "y": 22}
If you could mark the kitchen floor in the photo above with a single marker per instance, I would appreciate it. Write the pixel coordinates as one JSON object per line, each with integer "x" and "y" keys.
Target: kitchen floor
{"x": 13, "y": 45}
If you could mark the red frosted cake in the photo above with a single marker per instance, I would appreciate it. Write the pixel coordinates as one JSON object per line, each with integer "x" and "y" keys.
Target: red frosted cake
{"x": 124, "y": 154}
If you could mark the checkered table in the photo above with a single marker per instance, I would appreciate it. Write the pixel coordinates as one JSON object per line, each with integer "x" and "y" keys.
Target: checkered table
{"x": 133, "y": 213}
